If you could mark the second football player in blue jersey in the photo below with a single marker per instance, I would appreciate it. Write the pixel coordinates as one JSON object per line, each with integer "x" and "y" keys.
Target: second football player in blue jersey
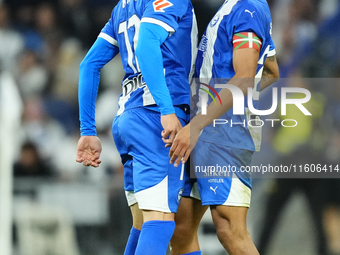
{"x": 155, "y": 100}
{"x": 236, "y": 49}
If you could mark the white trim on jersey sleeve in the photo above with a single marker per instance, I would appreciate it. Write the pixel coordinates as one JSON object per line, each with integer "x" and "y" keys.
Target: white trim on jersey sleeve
{"x": 158, "y": 22}
{"x": 109, "y": 39}
{"x": 194, "y": 43}
{"x": 271, "y": 53}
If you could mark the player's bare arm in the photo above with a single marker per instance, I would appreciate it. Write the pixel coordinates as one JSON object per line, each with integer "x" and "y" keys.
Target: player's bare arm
{"x": 245, "y": 63}
{"x": 270, "y": 72}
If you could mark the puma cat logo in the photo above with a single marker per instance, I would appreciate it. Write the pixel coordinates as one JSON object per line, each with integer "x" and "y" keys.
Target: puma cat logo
{"x": 251, "y": 13}
{"x": 213, "y": 189}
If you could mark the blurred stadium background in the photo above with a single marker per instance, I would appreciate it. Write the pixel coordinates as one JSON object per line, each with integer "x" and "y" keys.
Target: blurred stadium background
{"x": 50, "y": 205}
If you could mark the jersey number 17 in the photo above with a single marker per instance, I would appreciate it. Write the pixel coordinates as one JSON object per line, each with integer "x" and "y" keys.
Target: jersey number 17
{"x": 125, "y": 27}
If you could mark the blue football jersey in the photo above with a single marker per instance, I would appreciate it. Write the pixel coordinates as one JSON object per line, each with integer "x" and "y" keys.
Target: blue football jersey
{"x": 215, "y": 64}
{"x": 179, "y": 50}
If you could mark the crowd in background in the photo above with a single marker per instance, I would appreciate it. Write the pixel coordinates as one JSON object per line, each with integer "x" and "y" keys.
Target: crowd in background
{"x": 43, "y": 42}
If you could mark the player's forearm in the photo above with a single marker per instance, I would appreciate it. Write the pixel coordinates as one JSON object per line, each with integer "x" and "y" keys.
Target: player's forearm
{"x": 270, "y": 73}
{"x": 216, "y": 111}
{"x": 150, "y": 60}
{"x": 89, "y": 75}
{"x": 87, "y": 94}
{"x": 267, "y": 81}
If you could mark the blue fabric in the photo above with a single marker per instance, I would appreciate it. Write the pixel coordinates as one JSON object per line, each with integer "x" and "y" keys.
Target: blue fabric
{"x": 183, "y": 113}
{"x": 124, "y": 28}
{"x": 233, "y": 17}
{"x": 89, "y": 74}
{"x": 150, "y": 59}
{"x": 155, "y": 237}
{"x": 171, "y": 15}
{"x": 214, "y": 166}
{"x": 194, "y": 253}
{"x": 132, "y": 242}
{"x": 146, "y": 161}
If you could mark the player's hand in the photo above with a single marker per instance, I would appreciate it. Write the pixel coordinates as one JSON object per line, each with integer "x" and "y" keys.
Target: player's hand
{"x": 171, "y": 126}
{"x": 88, "y": 152}
{"x": 183, "y": 144}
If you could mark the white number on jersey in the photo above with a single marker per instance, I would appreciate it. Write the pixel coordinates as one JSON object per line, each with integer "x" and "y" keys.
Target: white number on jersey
{"x": 123, "y": 28}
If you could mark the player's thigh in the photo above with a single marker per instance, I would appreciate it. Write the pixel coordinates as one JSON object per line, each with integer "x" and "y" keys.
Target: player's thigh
{"x": 222, "y": 182}
{"x": 137, "y": 216}
{"x": 157, "y": 183}
{"x": 230, "y": 218}
{"x": 189, "y": 215}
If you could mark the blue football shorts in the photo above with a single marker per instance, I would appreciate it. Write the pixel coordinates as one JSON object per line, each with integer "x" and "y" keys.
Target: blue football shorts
{"x": 149, "y": 178}
{"x": 221, "y": 177}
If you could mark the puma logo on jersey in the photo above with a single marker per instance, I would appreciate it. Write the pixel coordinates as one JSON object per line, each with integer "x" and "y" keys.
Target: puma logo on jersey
{"x": 160, "y": 5}
{"x": 251, "y": 13}
{"x": 213, "y": 189}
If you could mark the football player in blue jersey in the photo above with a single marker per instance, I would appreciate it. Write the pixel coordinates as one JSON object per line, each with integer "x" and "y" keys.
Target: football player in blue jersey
{"x": 155, "y": 100}
{"x": 236, "y": 49}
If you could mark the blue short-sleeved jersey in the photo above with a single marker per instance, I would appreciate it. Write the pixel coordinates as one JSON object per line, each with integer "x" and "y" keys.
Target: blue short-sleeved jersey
{"x": 178, "y": 51}
{"x": 215, "y": 63}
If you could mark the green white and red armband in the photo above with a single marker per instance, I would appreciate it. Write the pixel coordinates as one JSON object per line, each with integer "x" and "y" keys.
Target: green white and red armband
{"x": 247, "y": 40}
